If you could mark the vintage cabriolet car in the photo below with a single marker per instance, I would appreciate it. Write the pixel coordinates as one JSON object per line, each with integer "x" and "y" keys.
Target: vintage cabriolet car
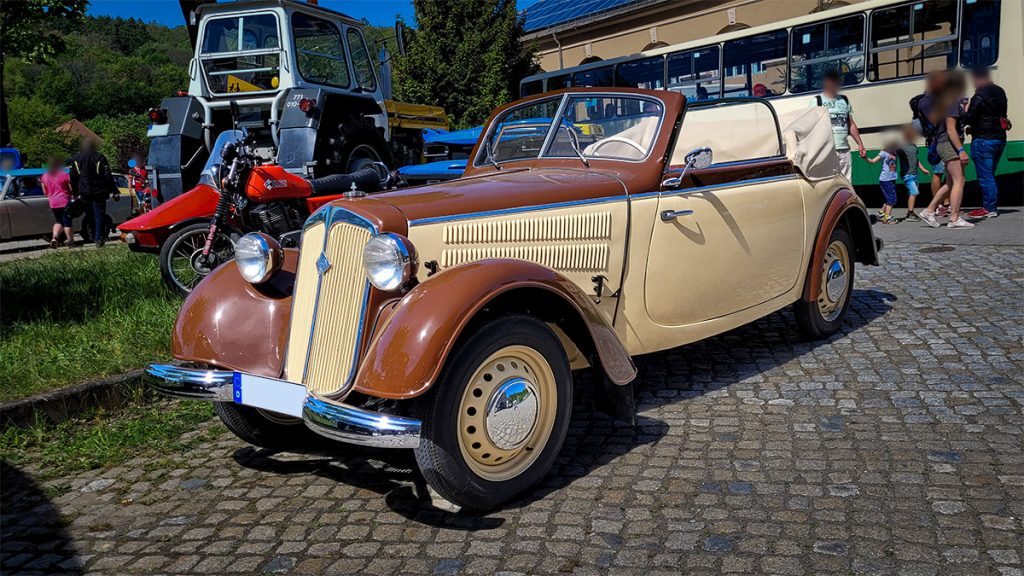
{"x": 449, "y": 318}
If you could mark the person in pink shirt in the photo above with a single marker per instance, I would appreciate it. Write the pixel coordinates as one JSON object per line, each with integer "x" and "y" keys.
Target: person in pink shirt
{"x": 57, "y": 187}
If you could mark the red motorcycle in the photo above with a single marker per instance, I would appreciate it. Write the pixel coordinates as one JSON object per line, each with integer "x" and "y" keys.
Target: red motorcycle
{"x": 237, "y": 193}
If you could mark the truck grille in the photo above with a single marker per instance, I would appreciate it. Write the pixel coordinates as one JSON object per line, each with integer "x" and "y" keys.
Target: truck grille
{"x": 329, "y": 302}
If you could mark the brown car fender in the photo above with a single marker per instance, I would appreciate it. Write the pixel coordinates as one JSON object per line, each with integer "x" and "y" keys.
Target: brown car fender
{"x": 844, "y": 208}
{"x": 230, "y": 323}
{"x": 409, "y": 349}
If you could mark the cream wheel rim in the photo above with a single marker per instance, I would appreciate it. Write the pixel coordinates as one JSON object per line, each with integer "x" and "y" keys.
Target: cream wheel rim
{"x": 835, "y": 282}
{"x": 507, "y": 413}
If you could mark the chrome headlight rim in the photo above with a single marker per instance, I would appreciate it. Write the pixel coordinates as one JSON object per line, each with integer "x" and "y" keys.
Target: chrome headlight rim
{"x": 265, "y": 260}
{"x": 403, "y": 261}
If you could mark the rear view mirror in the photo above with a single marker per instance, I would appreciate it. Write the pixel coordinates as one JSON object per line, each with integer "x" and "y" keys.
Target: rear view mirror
{"x": 400, "y": 31}
{"x": 699, "y": 158}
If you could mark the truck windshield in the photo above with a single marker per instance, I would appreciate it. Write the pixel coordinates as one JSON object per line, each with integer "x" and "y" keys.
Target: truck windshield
{"x": 241, "y": 53}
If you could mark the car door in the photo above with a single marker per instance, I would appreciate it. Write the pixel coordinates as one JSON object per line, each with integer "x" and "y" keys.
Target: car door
{"x": 28, "y": 208}
{"x": 729, "y": 236}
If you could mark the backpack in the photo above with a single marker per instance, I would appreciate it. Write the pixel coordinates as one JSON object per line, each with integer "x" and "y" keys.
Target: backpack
{"x": 921, "y": 122}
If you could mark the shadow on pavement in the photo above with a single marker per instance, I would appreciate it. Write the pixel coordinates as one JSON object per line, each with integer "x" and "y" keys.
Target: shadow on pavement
{"x": 594, "y": 439}
{"x": 33, "y": 537}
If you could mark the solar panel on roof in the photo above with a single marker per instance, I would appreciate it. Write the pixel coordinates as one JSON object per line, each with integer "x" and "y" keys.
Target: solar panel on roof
{"x": 548, "y": 13}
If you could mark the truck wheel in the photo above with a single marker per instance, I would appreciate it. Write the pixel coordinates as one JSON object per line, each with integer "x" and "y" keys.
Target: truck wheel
{"x": 498, "y": 416}
{"x": 265, "y": 429}
{"x": 180, "y": 264}
{"x": 358, "y": 143}
{"x": 825, "y": 314}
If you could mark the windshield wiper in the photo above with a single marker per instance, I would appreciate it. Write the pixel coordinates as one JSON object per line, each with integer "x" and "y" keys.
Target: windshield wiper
{"x": 489, "y": 153}
{"x": 574, "y": 141}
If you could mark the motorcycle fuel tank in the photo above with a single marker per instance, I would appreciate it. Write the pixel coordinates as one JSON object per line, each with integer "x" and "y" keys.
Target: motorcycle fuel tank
{"x": 272, "y": 182}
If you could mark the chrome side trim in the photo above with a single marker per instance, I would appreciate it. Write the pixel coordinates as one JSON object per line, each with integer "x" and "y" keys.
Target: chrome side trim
{"x": 711, "y": 187}
{"x": 357, "y": 426}
{"x": 503, "y": 211}
{"x": 191, "y": 383}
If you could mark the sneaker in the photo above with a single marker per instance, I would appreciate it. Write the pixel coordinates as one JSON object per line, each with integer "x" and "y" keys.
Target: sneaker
{"x": 912, "y": 217}
{"x": 929, "y": 218}
{"x": 888, "y": 219}
{"x": 942, "y": 212}
{"x": 982, "y": 213}
{"x": 959, "y": 223}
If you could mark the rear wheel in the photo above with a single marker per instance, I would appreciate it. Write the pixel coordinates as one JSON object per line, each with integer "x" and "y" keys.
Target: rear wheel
{"x": 181, "y": 263}
{"x": 825, "y": 314}
{"x": 497, "y": 419}
{"x": 356, "y": 144}
{"x": 88, "y": 223}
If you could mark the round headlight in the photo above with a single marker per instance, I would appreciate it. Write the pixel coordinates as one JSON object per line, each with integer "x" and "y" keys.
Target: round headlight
{"x": 258, "y": 257}
{"x": 388, "y": 260}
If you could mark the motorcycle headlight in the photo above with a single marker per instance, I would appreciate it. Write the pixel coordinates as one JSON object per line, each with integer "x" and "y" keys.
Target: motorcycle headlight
{"x": 388, "y": 259}
{"x": 258, "y": 257}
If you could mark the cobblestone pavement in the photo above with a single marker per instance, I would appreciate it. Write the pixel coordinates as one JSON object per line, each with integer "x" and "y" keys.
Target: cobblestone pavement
{"x": 896, "y": 447}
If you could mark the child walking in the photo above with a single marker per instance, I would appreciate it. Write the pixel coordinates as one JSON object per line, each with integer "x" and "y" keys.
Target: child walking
{"x": 887, "y": 180}
{"x": 909, "y": 165}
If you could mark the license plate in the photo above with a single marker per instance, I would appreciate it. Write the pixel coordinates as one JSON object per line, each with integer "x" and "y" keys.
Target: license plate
{"x": 270, "y": 394}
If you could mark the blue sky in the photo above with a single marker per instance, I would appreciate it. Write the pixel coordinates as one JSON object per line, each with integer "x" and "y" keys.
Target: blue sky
{"x": 378, "y": 12}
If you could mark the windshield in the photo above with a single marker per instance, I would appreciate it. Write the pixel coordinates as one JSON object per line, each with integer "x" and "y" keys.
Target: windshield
{"x": 610, "y": 127}
{"x": 241, "y": 53}
{"x": 215, "y": 156}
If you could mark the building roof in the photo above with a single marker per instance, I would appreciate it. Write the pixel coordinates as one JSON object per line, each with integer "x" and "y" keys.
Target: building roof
{"x": 546, "y": 15}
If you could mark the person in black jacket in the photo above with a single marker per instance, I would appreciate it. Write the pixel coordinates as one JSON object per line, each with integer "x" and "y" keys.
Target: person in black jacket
{"x": 92, "y": 181}
{"x": 986, "y": 117}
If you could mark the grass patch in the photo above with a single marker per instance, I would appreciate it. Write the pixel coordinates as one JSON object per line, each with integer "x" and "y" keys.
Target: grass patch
{"x": 71, "y": 316}
{"x": 106, "y": 438}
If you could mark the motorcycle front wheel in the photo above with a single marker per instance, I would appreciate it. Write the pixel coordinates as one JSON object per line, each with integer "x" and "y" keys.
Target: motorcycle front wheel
{"x": 182, "y": 265}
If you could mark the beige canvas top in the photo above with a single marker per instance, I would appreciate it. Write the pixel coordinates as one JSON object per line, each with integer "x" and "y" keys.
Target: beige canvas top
{"x": 807, "y": 135}
{"x": 747, "y": 131}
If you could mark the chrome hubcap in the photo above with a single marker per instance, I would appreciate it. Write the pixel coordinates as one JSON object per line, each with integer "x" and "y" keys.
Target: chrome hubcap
{"x": 835, "y": 281}
{"x": 512, "y": 413}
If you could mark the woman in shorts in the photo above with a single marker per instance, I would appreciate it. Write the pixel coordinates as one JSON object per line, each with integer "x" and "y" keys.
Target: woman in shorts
{"x": 57, "y": 187}
{"x": 949, "y": 139}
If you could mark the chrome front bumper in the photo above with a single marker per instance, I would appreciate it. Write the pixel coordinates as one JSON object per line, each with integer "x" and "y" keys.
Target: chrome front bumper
{"x": 331, "y": 419}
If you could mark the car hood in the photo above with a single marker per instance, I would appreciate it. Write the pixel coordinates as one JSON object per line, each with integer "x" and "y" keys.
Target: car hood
{"x": 503, "y": 190}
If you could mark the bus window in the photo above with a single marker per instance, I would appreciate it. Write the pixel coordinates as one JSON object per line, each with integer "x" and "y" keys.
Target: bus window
{"x": 596, "y": 78}
{"x": 695, "y": 74}
{"x": 912, "y": 40}
{"x": 979, "y": 40}
{"x": 648, "y": 73}
{"x": 559, "y": 82}
{"x": 756, "y": 66}
{"x": 530, "y": 88}
{"x": 819, "y": 48}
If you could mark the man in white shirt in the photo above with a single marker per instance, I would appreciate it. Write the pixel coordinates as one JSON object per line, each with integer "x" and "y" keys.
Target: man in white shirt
{"x": 843, "y": 126}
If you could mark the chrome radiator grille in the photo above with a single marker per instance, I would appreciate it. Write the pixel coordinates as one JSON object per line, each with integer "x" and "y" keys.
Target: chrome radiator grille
{"x": 329, "y": 302}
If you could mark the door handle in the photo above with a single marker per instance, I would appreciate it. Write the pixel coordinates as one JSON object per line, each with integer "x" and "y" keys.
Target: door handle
{"x": 670, "y": 215}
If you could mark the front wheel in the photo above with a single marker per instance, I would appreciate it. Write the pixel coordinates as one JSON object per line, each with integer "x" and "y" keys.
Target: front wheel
{"x": 498, "y": 416}
{"x": 265, "y": 429}
{"x": 825, "y": 314}
{"x": 182, "y": 264}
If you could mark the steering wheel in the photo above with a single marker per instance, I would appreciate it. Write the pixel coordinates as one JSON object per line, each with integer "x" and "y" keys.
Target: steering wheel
{"x": 622, "y": 139}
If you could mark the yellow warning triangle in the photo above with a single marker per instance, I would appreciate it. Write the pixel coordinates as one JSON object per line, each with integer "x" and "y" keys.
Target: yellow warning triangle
{"x": 236, "y": 84}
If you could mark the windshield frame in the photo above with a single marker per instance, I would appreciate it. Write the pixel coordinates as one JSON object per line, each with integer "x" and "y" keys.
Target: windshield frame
{"x": 204, "y": 57}
{"x": 481, "y": 161}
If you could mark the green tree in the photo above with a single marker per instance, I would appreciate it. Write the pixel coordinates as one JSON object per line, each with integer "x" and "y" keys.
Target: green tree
{"x": 121, "y": 137}
{"x": 27, "y": 32}
{"x": 35, "y": 131}
{"x": 465, "y": 56}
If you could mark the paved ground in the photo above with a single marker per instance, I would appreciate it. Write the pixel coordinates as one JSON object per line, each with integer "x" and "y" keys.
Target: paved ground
{"x": 22, "y": 249}
{"x": 1005, "y": 230}
{"x": 896, "y": 447}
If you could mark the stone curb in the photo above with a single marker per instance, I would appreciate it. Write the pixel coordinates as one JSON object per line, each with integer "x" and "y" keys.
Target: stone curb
{"x": 60, "y": 405}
